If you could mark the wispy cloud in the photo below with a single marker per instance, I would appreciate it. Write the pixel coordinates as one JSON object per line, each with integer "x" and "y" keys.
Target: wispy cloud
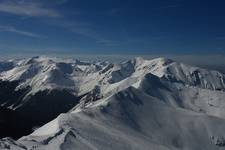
{"x": 20, "y": 32}
{"x": 30, "y": 9}
{"x": 81, "y": 28}
{"x": 87, "y": 30}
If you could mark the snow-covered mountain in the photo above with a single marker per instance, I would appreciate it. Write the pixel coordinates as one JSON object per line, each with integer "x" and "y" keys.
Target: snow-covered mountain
{"x": 137, "y": 104}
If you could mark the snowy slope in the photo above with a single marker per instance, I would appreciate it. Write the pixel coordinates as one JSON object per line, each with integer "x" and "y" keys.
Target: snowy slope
{"x": 138, "y": 104}
{"x": 193, "y": 98}
{"x": 129, "y": 120}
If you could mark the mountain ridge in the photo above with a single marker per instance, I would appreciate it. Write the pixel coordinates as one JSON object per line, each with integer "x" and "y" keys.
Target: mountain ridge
{"x": 126, "y": 105}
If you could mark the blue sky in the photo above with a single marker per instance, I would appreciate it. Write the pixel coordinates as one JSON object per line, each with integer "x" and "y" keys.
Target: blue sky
{"x": 112, "y": 26}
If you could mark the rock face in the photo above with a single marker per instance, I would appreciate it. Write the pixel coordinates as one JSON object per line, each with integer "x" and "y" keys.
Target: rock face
{"x": 219, "y": 141}
{"x": 139, "y": 104}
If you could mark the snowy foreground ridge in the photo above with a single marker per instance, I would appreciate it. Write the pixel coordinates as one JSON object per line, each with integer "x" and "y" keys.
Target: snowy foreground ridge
{"x": 139, "y": 104}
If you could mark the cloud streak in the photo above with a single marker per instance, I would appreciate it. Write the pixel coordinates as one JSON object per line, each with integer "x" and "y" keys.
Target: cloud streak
{"x": 38, "y": 8}
{"x": 84, "y": 29}
{"x": 20, "y": 32}
{"x": 30, "y": 9}
{"x": 89, "y": 32}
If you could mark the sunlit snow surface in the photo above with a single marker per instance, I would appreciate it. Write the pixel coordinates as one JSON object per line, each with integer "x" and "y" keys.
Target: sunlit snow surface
{"x": 142, "y": 104}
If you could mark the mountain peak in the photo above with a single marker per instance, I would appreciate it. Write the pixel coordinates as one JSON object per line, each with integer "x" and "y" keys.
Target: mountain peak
{"x": 164, "y": 61}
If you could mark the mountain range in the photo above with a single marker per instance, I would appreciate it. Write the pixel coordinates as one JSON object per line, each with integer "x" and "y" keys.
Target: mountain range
{"x": 158, "y": 104}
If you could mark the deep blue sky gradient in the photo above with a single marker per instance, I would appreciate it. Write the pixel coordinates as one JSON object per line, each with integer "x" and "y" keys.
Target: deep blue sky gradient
{"x": 113, "y": 26}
